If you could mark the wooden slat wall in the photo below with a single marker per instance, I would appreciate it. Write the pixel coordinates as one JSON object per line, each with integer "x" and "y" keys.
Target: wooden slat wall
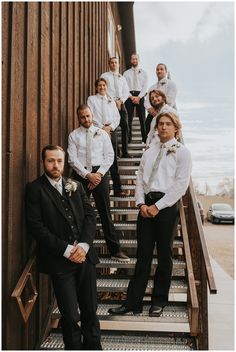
{"x": 52, "y": 52}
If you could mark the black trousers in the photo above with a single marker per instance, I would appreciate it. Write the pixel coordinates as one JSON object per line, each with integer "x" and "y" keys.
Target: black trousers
{"x": 148, "y": 122}
{"x": 102, "y": 201}
{"x": 124, "y": 129}
{"x": 151, "y": 232}
{"x": 114, "y": 169}
{"x": 78, "y": 289}
{"x": 141, "y": 114}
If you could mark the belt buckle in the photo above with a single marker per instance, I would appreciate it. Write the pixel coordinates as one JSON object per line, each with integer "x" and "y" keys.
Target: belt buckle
{"x": 150, "y": 195}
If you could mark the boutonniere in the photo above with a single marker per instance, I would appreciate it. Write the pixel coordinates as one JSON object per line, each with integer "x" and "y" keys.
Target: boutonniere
{"x": 139, "y": 71}
{"x": 97, "y": 133}
{"x": 172, "y": 149}
{"x": 70, "y": 186}
{"x": 109, "y": 99}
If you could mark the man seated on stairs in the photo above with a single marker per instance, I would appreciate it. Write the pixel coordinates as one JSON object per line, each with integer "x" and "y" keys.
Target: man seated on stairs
{"x": 61, "y": 219}
{"x": 90, "y": 154}
{"x": 107, "y": 117}
{"x": 162, "y": 179}
{"x": 158, "y": 102}
{"x": 167, "y": 86}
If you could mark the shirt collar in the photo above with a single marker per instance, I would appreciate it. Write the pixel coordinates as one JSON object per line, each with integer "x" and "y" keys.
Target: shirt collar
{"x": 170, "y": 142}
{"x": 101, "y": 96}
{"x": 90, "y": 129}
{"x": 53, "y": 182}
{"x": 163, "y": 80}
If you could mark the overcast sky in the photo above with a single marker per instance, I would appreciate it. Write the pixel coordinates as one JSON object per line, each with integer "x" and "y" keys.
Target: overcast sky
{"x": 195, "y": 40}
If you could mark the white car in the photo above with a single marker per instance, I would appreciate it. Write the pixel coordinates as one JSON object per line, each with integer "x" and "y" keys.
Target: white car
{"x": 220, "y": 212}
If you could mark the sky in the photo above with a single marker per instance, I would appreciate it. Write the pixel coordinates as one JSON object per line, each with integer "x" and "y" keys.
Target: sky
{"x": 196, "y": 42}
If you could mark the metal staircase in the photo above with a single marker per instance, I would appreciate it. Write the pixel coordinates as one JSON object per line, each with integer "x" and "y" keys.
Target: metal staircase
{"x": 180, "y": 325}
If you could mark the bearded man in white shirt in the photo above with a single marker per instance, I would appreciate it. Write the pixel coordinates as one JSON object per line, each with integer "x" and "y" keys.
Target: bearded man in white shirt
{"x": 164, "y": 84}
{"x": 136, "y": 78}
{"x": 158, "y": 102}
{"x": 162, "y": 179}
{"x": 118, "y": 90}
{"x": 90, "y": 156}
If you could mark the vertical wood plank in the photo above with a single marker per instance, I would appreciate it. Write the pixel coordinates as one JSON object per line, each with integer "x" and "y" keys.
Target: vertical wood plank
{"x": 55, "y": 42}
{"x": 45, "y": 88}
{"x": 70, "y": 72}
{"x": 76, "y": 60}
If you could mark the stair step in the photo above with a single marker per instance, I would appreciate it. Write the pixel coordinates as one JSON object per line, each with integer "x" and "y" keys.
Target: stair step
{"x": 123, "y": 211}
{"x": 122, "y": 199}
{"x": 129, "y": 160}
{"x": 112, "y": 263}
{"x": 131, "y": 243}
{"x": 174, "y": 318}
{"x": 123, "y": 342}
{"x": 122, "y": 225}
{"x": 120, "y": 285}
{"x": 139, "y": 146}
{"x": 128, "y": 167}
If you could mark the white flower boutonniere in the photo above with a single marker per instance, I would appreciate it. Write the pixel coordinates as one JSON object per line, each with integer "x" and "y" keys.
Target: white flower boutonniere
{"x": 97, "y": 133}
{"x": 172, "y": 149}
{"x": 70, "y": 186}
{"x": 109, "y": 99}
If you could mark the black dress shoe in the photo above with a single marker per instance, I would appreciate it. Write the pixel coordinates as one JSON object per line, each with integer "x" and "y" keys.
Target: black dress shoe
{"x": 123, "y": 310}
{"x": 155, "y": 311}
{"x": 121, "y": 257}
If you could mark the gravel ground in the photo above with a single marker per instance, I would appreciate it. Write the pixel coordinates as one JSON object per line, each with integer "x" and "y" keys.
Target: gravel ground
{"x": 220, "y": 243}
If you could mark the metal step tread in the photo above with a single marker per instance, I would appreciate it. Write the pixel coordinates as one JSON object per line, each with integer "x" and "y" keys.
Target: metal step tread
{"x": 121, "y": 225}
{"x": 123, "y": 210}
{"x": 108, "y": 262}
{"x": 124, "y": 342}
{"x": 120, "y": 285}
{"x": 132, "y": 243}
{"x": 173, "y": 318}
{"x": 128, "y": 167}
{"x": 129, "y": 160}
{"x": 122, "y": 199}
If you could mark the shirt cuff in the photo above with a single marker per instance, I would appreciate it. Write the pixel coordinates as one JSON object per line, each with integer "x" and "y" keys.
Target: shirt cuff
{"x": 84, "y": 245}
{"x": 160, "y": 204}
{"x": 68, "y": 250}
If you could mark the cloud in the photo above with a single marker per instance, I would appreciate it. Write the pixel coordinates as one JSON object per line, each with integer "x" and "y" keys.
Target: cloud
{"x": 160, "y": 22}
{"x": 217, "y": 17}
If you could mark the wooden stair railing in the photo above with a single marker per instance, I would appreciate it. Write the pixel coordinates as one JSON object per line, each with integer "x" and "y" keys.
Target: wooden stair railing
{"x": 192, "y": 291}
{"x": 25, "y": 291}
{"x": 202, "y": 270}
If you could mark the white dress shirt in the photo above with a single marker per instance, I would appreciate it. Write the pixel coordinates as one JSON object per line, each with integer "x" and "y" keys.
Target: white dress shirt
{"x": 112, "y": 117}
{"x": 58, "y": 185}
{"x": 101, "y": 150}
{"x": 123, "y": 89}
{"x": 152, "y": 135}
{"x": 142, "y": 80}
{"x": 172, "y": 176}
{"x": 168, "y": 87}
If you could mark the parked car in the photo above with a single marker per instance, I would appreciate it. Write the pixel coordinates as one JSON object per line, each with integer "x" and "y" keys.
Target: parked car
{"x": 201, "y": 210}
{"x": 220, "y": 212}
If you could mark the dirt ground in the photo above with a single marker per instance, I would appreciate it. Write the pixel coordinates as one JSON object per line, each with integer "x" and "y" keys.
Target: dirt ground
{"x": 220, "y": 243}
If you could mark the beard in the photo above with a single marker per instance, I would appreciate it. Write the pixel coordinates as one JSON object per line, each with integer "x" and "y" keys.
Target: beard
{"x": 54, "y": 173}
{"x": 158, "y": 106}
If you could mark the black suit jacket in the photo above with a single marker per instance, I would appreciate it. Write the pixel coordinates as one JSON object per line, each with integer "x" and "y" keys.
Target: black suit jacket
{"x": 48, "y": 224}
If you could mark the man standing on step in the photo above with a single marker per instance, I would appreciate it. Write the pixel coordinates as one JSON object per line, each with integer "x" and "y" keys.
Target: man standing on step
{"x": 62, "y": 221}
{"x": 106, "y": 116}
{"x": 137, "y": 79}
{"x": 90, "y": 156}
{"x": 118, "y": 90}
{"x": 166, "y": 85}
{"x": 162, "y": 180}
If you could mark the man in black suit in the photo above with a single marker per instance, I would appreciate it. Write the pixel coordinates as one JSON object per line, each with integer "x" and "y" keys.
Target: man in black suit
{"x": 60, "y": 218}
